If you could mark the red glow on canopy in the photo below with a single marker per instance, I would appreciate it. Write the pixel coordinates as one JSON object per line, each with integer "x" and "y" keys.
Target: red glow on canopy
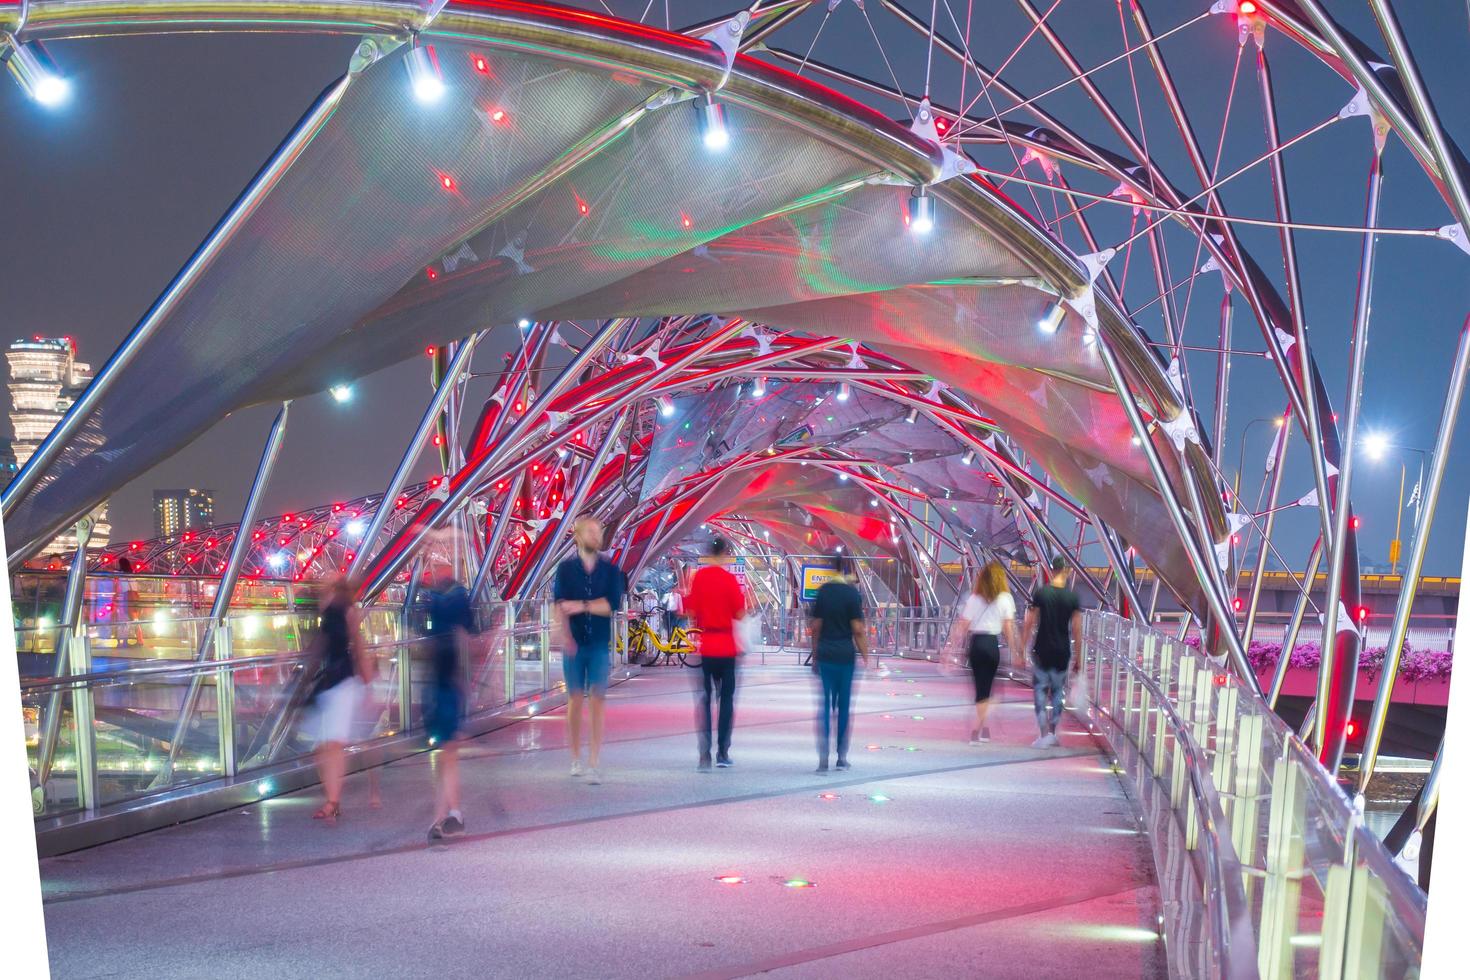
{"x": 497, "y": 115}
{"x": 447, "y": 182}
{"x": 480, "y": 63}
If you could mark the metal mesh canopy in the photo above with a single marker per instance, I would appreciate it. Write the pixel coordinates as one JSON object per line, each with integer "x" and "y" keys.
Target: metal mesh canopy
{"x": 546, "y": 192}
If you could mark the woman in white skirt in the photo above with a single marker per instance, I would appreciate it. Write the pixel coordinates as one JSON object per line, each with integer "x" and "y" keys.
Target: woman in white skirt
{"x": 337, "y": 695}
{"x": 987, "y": 614}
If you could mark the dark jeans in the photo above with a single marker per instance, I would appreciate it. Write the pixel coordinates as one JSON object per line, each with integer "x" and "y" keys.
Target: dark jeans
{"x": 719, "y": 678}
{"x": 836, "y": 696}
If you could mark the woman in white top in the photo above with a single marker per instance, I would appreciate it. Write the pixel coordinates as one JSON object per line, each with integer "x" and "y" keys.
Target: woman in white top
{"x": 988, "y": 613}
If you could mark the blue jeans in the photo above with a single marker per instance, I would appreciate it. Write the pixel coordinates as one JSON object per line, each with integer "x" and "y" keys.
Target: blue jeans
{"x": 836, "y": 696}
{"x": 1048, "y": 689}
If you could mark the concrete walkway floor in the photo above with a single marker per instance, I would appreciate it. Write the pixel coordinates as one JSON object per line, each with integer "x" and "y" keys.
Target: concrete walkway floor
{"x": 931, "y": 858}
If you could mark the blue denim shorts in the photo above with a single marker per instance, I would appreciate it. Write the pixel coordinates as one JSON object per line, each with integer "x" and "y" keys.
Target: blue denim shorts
{"x": 586, "y": 670}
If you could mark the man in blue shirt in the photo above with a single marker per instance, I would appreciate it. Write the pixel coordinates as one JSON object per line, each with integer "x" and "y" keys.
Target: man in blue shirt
{"x": 588, "y": 590}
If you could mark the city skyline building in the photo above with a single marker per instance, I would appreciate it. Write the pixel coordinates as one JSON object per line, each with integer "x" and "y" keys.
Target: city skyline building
{"x": 179, "y": 510}
{"x": 45, "y": 380}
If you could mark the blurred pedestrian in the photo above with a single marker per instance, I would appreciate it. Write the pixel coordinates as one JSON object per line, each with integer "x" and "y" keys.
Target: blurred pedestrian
{"x": 336, "y": 697}
{"x": 717, "y": 603}
{"x": 1052, "y": 621}
{"x": 587, "y": 591}
{"x": 988, "y": 614}
{"x": 839, "y": 635}
{"x": 449, "y": 622}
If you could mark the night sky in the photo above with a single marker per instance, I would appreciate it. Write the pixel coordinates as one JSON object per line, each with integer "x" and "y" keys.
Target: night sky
{"x": 105, "y": 200}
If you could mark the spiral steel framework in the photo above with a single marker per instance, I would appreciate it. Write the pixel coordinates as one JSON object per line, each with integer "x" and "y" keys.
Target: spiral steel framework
{"x": 761, "y": 339}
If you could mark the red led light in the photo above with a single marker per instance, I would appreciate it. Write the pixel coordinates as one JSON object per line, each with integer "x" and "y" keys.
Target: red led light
{"x": 1222, "y": 679}
{"x": 519, "y": 407}
{"x": 134, "y": 546}
{"x": 438, "y": 439}
{"x": 432, "y": 273}
{"x": 1362, "y": 614}
{"x": 435, "y": 482}
{"x": 188, "y": 536}
{"x": 940, "y": 123}
{"x": 1239, "y": 603}
{"x": 287, "y": 519}
{"x": 285, "y": 541}
{"x": 257, "y": 535}
{"x": 1356, "y": 522}
{"x": 686, "y": 221}
{"x": 351, "y": 556}
{"x": 447, "y": 182}
{"x": 497, "y": 115}
{"x": 1248, "y": 7}
{"x": 210, "y": 543}
{"x": 336, "y": 508}
{"x": 480, "y": 64}
{"x": 402, "y": 502}
{"x": 1352, "y": 729}
{"x": 729, "y": 879}
{"x": 431, "y": 351}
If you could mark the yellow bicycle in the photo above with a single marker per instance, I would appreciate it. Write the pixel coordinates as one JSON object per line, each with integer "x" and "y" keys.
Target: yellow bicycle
{"x": 645, "y": 647}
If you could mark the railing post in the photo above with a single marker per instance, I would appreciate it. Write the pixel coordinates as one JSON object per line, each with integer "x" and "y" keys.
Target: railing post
{"x": 79, "y": 653}
{"x": 224, "y": 697}
{"x": 1281, "y": 898}
{"x": 1161, "y": 724}
{"x": 510, "y": 652}
{"x": 545, "y": 614}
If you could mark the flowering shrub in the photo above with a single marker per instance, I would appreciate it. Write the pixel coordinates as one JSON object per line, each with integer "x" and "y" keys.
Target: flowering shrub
{"x": 1415, "y": 665}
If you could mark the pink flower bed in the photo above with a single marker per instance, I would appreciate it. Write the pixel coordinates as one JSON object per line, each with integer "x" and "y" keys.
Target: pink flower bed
{"x": 1416, "y": 665}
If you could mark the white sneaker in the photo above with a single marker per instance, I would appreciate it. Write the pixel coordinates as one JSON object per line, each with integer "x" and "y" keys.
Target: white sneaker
{"x": 1041, "y": 742}
{"x": 577, "y": 769}
{"x": 594, "y": 776}
{"x": 1051, "y": 741}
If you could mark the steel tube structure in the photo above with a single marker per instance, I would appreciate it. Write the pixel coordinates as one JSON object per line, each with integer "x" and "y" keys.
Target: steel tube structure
{"x": 225, "y": 594}
{"x": 1393, "y": 654}
{"x": 1342, "y": 504}
{"x": 82, "y": 409}
{"x": 452, "y": 375}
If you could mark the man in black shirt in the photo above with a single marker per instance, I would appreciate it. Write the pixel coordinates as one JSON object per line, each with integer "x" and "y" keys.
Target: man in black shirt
{"x": 587, "y": 591}
{"x": 1052, "y": 620}
{"x": 839, "y": 634}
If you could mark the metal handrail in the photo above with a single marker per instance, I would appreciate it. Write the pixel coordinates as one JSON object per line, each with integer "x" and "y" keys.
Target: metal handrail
{"x": 1232, "y": 916}
{"x": 128, "y": 675}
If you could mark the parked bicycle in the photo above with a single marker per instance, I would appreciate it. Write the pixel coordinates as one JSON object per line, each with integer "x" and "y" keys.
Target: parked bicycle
{"x": 645, "y": 648}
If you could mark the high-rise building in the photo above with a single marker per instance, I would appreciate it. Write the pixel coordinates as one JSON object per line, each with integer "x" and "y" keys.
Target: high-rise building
{"x": 45, "y": 379}
{"x": 176, "y": 511}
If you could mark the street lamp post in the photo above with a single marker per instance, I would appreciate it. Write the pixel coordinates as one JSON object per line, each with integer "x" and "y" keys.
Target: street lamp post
{"x": 1377, "y": 446}
{"x": 1244, "y": 436}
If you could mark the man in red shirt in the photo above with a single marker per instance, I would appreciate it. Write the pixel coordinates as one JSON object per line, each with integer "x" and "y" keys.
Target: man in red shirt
{"x": 715, "y": 603}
